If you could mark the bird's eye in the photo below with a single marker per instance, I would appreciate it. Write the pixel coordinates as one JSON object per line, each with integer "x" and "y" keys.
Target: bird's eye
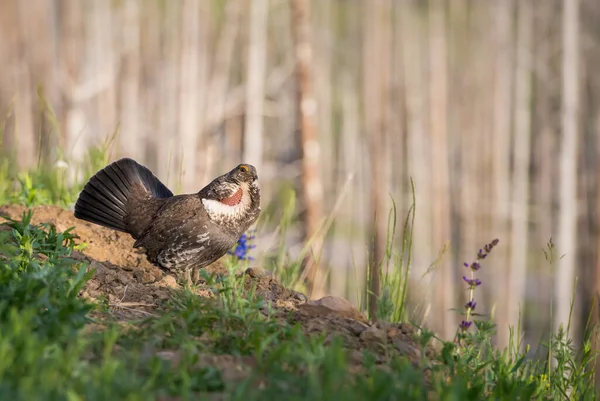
{"x": 244, "y": 168}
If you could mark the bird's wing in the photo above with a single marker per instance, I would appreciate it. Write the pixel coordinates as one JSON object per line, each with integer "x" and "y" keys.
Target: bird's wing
{"x": 185, "y": 227}
{"x": 169, "y": 219}
{"x": 195, "y": 244}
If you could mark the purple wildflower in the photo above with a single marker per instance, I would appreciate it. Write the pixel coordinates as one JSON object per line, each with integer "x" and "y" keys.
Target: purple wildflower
{"x": 465, "y": 324}
{"x": 473, "y": 266}
{"x": 473, "y": 282}
{"x": 488, "y": 247}
{"x": 481, "y": 254}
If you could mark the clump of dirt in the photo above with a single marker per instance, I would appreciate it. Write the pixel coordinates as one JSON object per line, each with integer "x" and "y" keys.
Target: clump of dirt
{"x": 133, "y": 286}
{"x": 123, "y": 276}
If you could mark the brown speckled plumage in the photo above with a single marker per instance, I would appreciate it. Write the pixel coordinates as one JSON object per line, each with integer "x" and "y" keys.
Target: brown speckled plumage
{"x": 178, "y": 232}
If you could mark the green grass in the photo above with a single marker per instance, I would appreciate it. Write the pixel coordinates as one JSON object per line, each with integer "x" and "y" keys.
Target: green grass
{"x": 55, "y": 345}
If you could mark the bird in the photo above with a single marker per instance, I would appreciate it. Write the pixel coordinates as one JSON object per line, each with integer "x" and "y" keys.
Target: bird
{"x": 179, "y": 233}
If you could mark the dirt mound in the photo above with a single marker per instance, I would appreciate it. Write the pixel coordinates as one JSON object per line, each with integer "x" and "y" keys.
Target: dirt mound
{"x": 132, "y": 286}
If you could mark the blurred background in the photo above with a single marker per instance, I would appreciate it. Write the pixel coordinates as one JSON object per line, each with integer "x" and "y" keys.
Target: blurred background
{"x": 492, "y": 108}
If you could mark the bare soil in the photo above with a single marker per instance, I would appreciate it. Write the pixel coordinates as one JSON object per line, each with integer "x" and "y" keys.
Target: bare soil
{"x": 133, "y": 286}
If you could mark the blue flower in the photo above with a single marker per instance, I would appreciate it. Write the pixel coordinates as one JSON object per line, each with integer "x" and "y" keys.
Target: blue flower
{"x": 243, "y": 247}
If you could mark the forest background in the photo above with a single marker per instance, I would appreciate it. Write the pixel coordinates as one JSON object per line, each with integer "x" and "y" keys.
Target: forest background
{"x": 492, "y": 108}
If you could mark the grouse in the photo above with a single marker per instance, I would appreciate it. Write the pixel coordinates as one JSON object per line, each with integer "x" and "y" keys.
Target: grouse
{"x": 179, "y": 233}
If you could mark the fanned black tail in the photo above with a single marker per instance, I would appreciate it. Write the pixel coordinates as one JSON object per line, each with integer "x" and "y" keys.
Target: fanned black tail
{"x": 116, "y": 191}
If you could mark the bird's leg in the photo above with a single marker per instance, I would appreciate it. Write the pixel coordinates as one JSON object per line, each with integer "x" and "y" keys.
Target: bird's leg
{"x": 195, "y": 274}
{"x": 191, "y": 276}
{"x": 187, "y": 278}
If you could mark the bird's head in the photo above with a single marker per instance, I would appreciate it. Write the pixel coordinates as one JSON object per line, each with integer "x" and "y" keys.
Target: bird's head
{"x": 233, "y": 199}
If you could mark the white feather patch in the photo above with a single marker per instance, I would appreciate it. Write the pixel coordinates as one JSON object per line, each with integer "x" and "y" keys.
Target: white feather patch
{"x": 218, "y": 211}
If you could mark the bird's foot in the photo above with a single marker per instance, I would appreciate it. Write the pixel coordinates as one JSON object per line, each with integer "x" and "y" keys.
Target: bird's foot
{"x": 190, "y": 277}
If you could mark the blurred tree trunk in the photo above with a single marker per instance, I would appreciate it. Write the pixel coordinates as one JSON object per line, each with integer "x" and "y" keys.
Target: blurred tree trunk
{"x": 544, "y": 143}
{"x": 414, "y": 48}
{"x": 222, "y": 69}
{"x": 399, "y": 182}
{"x": 8, "y": 50}
{"x": 255, "y": 84}
{"x": 466, "y": 110}
{"x": 100, "y": 84}
{"x": 503, "y": 89}
{"x": 38, "y": 43}
{"x": 595, "y": 318}
{"x": 168, "y": 77}
{"x": 376, "y": 83}
{"x": 349, "y": 152}
{"x": 151, "y": 67}
{"x": 193, "y": 73}
{"x": 132, "y": 138}
{"x": 361, "y": 195}
{"x": 71, "y": 45}
{"x": 567, "y": 224}
{"x": 307, "y": 109}
{"x": 521, "y": 153}
{"x": 345, "y": 231}
{"x": 485, "y": 54}
{"x": 323, "y": 42}
{"x": 438, "y": 95}
{"x": 217, "y": 118}
{"x": 25, "y": 137}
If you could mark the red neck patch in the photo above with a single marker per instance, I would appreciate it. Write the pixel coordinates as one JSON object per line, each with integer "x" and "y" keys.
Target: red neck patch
{"x": 233, "y": 199}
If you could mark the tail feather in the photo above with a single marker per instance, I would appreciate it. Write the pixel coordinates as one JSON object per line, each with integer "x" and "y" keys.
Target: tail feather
{"x": 113, "y": 194}
{"x": 91, "y": 210}
{"x": 102, "y": 193}
{"x": 116, "y": 187}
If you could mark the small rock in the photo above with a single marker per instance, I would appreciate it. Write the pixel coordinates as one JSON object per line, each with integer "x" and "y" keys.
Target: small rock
{"x": 151, "y": 276}
{"x": 167, "y": 281}
{"x": 300, "y": 297}
{"x": 92, "y": 285}
{"x": 393, "y": 332}
{"x": 41, "y": 256}
{"x": 168, "y": 355}
{"x": 100, "y": 268}
{"x": 123, "y": 278}
{"x": 331, "y": 305}
{"x": 356, "y": 357}
{"x": 284, "y": 305}
{"x": 357, "y": 327}
{"x": 374, "y": 338}
{"x": 147, "y": 299}
{"x": 374, "y": 334}
{"x": 315, "y": 325}
{"x": 145, "y": 277}
{"x": 407, "y": 349}
{"x": 257, "y": 272}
